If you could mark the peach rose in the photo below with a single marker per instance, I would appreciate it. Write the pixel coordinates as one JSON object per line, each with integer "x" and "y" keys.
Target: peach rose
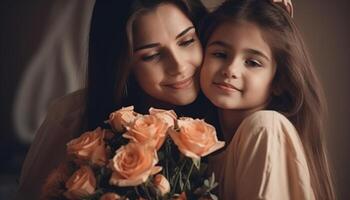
{"x": 90, "y": 146}
{"x": 168, "y": 116}
{"x": 162, "y": 184}
{"x": 110, "y": 196}
{"x": 122, "y": 117}
{"x": 195, "y": 138}
{"x": 133, "y": 164}
{"x": 81, "y": 183}
{"x": 148, "y": 129}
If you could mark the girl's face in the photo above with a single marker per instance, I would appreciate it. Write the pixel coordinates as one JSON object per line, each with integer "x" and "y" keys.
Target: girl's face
{"x": 238, "y": 67}
{"x": 167, "y": 55}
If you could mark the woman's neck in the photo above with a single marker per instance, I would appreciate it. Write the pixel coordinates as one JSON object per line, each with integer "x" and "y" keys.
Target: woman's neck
{"x": 143, "y": 102}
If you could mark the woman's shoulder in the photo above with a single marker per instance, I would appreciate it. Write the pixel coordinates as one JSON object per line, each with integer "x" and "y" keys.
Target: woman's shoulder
{"x": 67, "y": 106}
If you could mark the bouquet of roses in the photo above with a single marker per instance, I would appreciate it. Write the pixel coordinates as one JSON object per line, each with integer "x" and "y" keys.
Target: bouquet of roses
{"x": 153, "y": 156}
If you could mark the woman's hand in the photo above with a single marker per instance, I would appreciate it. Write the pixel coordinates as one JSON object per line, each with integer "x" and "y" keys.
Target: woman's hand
{"x": 286, "y": 4}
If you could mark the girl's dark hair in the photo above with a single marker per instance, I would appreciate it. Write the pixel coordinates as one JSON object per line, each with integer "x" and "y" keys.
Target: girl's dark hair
{"x": 109, "y": 83}
{"x": 297, "y": 90}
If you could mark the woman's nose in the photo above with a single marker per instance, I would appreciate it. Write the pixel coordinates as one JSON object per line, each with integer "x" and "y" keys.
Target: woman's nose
{"x": 176, "y": 64}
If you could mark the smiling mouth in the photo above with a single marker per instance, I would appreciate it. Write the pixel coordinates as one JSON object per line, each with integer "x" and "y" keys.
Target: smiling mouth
{"x": 226, "y": 87}
{"x": 181, "y": 84}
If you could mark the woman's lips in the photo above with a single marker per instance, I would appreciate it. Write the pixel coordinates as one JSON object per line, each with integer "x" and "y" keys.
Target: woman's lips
{"x": 181, "y": 84}
{"x": 226, "y": 87}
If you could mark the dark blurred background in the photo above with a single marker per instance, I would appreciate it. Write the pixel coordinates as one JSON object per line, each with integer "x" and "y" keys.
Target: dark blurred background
{"x": 43, "y": 52}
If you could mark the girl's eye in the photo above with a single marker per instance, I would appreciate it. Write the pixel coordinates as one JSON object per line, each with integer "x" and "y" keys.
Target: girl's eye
{"x": 186, "y": 42}
{"x": 220, "y": 55}
{"x": 150, "y": 57}
{"x": 253, "y": 63}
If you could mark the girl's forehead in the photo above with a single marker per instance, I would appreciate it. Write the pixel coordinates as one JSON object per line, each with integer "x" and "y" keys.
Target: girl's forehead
{"x": 242, "y": 32}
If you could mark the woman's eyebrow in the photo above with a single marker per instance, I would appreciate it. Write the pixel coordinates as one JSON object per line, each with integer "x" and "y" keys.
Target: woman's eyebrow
{"x": 184, "y": 32}
{"x": 147, "y": 46}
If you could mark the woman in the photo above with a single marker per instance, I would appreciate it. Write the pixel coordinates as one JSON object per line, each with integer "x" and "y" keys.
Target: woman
{"x": 142, "y": 53}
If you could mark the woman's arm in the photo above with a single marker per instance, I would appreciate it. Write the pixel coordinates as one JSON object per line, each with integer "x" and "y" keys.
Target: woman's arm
{"x": 49, "y": 146}
{"x": 286, "y": 4}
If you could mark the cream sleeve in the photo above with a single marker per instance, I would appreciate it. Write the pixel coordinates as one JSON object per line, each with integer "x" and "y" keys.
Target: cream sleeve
{"x": 266, "y": 160}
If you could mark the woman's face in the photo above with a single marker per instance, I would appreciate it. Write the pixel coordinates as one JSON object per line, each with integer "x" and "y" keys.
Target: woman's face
{"x": 167, "y": 55}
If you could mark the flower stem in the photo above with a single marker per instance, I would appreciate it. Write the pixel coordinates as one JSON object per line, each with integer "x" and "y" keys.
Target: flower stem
{"x": 178, "y": 175}
{"x": 137, "y": 191}
{"x": 188, "y": 175}
{"x": 167, "y": 156}
{"x": 144, "y": 187}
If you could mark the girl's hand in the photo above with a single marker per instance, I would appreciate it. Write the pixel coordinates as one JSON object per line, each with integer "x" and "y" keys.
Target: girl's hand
{"x": 286, "y": 4}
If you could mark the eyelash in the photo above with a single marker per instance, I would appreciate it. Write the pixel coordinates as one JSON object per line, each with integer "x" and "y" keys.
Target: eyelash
{"x": 150, "y": 57}
{"x": 252, "y": 63}
{"x": 219, "y": 55}
{"x": 156, "y": 55}
{"x": 248, "y": 62}
{"x": 186, "y": 42}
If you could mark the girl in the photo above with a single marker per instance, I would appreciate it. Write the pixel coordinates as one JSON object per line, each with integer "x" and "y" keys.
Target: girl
{"x": 269, "y": 102}
{"x": 143, "y": 53}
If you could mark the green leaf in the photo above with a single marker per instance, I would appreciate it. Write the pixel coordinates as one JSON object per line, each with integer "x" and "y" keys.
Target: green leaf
{"x": 197, "y": 163}
{"x": 181, "y": 183}
{"x": 213, "y": 196}
{"x": 206, "y": 183}
{"x": 212, "y": 179}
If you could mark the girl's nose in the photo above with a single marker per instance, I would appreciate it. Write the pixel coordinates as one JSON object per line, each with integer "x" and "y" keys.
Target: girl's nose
{"x": 232, "y": 70}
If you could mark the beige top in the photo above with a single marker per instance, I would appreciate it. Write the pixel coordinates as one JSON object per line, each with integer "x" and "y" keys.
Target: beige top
{"x": 264, "y": 160}
{"x": 64, "y": 119}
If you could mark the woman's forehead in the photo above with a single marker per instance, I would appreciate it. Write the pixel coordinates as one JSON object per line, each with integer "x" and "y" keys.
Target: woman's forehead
{"x": 165, "y": 21}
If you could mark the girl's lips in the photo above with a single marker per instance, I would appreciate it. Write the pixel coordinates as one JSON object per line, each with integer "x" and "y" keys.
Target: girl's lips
{"x": 181, "y": 84}
{"x": 226, "y": 87}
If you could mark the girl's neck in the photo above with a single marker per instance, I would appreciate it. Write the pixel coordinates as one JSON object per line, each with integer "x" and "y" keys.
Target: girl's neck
{"x": 230, "y": 120}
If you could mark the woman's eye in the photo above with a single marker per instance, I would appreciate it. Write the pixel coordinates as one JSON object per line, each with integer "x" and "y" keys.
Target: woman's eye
{"x": 151, "y": 57}
{"x": 253, "y": 63}
{"x": 220, "y": 55}
{"x": 186, "y": 42}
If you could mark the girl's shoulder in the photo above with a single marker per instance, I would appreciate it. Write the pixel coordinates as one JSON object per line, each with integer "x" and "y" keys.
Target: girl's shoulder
{"x": 268, "y": 122}
{"x": 266, "y": 118}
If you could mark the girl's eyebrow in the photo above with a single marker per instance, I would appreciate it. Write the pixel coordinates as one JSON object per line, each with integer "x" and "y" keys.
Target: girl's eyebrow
{"x": 247, "y": 50}
{"x": 220, "y": 43}
{"x": 256, "y": 52}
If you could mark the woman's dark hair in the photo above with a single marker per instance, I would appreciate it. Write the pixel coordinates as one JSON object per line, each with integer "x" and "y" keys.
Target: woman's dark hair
{"x": 297, "y": 91}
{"x": 109, "y": 82}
